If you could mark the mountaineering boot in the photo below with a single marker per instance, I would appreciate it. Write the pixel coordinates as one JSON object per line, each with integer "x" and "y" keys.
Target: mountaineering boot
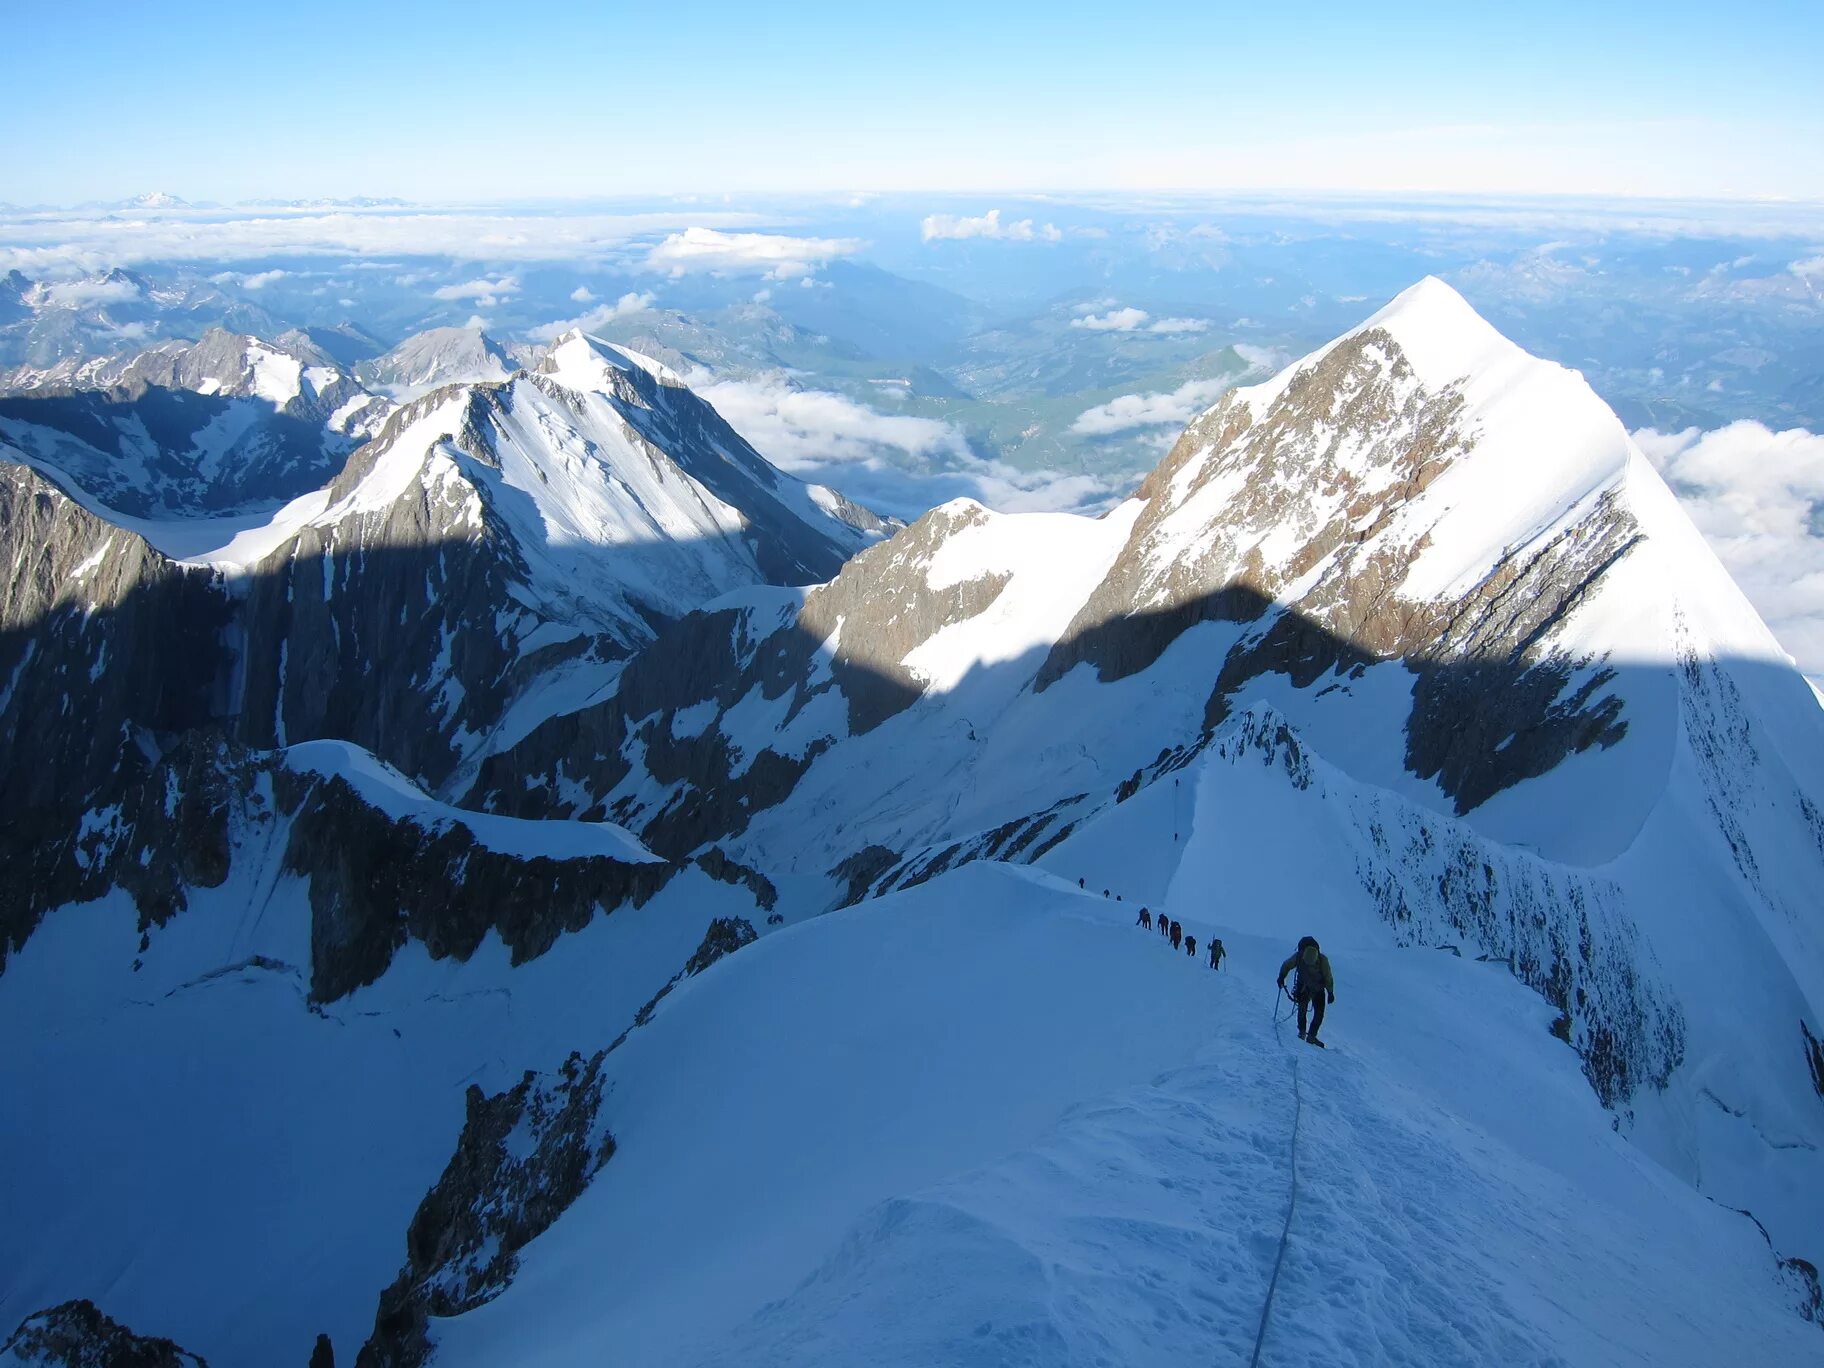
{"x": 1301, "y": 1032}
{"x": 1313, "y": 1040}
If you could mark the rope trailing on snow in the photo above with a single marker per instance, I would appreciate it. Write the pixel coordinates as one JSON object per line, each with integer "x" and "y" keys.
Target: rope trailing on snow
{"x": 1298, "y": 1111}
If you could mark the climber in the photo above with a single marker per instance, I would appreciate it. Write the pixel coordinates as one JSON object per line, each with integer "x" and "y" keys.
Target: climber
{"x": 1177, "y": 935}
{"x": 1312, "y": 985}
{"x": 1146, "y": 919}
{"x": 1165, "y": 925}
{"x": 1190, "y": 946}
{"x": 1216, "y": 952}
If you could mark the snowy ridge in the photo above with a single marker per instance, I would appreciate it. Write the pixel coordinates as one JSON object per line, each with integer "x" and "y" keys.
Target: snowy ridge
{"x": 436, "y": 357}
{"x": 227, "y": 424}
{"x": 1009, "y": 1173}
{"x": 386, "y": 789}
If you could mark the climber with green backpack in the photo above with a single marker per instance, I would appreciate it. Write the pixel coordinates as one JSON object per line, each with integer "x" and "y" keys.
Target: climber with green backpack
{"x": 1312, "y": 986}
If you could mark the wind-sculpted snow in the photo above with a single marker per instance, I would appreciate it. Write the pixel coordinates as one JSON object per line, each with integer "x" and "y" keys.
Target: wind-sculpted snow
{"x": 1056, "y": 1142}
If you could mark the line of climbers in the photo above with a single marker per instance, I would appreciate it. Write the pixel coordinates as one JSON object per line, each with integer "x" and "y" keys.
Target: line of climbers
{"x": 1313, "y": 983}
{"x": 1174, "y": 932}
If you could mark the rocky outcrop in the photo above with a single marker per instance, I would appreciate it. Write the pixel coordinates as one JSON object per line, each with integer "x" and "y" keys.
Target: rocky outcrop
{"x": 108, "y": 653}
{"x": 77, "y": 1334}
{"x": 716, "y": 863}
{"x": 400, "y": 627}
{"x": 1814, "y": 1058}
{"x": 377, "y": 881}
{"x": 524, "y": 1156}
{"x": 1285, "y": 519}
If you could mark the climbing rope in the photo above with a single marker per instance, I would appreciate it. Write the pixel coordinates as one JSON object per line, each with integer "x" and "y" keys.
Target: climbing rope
{"x": 1298, "y": 1110}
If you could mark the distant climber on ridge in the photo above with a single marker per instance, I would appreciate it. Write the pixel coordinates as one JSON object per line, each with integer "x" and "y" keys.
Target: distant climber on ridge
{"x": 1146, "y": 919}
{"x": 1177, "y": 935}
{"x": 1312, "y": 985}
{"x": 1190, "y": 946}
{"x": 1165, "y": 925}
{"x": 1216, "y": 952}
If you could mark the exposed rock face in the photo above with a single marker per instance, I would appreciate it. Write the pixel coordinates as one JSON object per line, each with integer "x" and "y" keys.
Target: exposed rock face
{"x": 1565, "y": 933}
{"x": 1491, "y": 707}
{"x": 376, "y": 881}
{"x": 398, "y": 626}
{"x": 523, "y": 1157}
{"x": 1814, "y": 1058}
{"x": 107, "y": 651}
{"x": 1310, "y": 552}
{"x": 638, "y": 756}
{"x": 494, "y": 532}
{"x": 78, "y": 1335}
{"x": 219, "y": 425}
{"x": 716, "y": 863}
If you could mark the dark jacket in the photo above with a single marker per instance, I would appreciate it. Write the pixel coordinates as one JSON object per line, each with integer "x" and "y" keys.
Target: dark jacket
{"x": 1316, "y": 965}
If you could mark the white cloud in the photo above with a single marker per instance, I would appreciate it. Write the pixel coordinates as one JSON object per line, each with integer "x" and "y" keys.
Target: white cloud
{"x": 989, "y": 225}
{"x": 258, "y": 280}
{"x": 598, "y": 317}
{"x": 1268, "y": 359}
{"x": 1179, "y": 325}
{"x": 792, "y": 426}
{"x": 582, "y": 295}
{"x": 1157, "y": 409}
{"x": 894, "y": 463}
{"x": 476, "y": 321}
{"x": 486, "y": 293}
{"x": 776, "y": 255}
{"x": 40, "y": 241}
{"x": 1115, "y": 320}
{"x": 1130, "y": 319}
{"x": 1758, "y": 497}
{"x": 1811, "y": 266}
{"x": 85, "y": 294}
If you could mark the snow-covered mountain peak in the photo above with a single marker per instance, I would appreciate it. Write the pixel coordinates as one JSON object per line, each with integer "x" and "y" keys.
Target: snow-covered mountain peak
{"x": 437, "y": 356}
{"x": 1442, "y": 337}
{"x": 581, "y": 361}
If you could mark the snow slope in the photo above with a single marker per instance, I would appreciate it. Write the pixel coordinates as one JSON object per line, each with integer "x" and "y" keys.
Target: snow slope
{"x": 210, "y": 1158}
{"x": 988, "y": 1121}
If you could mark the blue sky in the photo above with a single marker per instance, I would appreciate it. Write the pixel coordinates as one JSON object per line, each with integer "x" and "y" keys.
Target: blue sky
{"x": 495, "y": 101}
